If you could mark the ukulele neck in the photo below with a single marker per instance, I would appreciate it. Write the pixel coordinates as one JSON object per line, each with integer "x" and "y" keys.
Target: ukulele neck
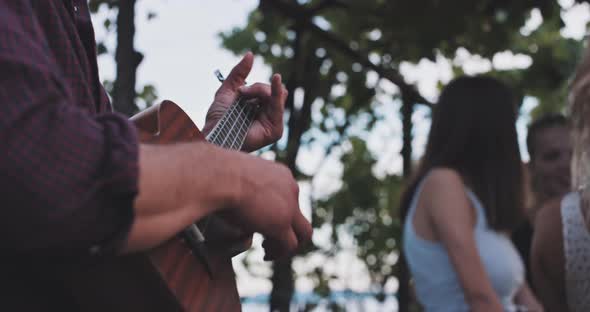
{"x": 230, "y": 132}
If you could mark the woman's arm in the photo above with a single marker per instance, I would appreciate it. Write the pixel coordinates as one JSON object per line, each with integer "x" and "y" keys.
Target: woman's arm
{"x": 453, "y": 220}
{"x": 547, "y": 259}
{"x": 526, "y": 298}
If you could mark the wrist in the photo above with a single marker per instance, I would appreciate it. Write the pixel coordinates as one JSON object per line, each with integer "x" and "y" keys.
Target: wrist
{"x": 221, "y": 172}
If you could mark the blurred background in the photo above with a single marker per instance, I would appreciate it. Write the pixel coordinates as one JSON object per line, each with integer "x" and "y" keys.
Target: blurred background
{"x": 362, "y": 77}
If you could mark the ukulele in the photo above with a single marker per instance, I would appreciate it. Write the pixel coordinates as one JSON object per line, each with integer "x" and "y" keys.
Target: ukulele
{"x": 188, "y": 273}
{"x": 195, "y": 267}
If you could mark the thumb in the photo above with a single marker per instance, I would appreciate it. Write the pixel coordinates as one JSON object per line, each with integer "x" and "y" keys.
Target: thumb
{"x": 238, "y": 74}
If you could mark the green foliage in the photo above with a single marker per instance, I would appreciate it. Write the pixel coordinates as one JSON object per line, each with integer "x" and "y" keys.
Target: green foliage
{"x": 148, "y": 95}
{"x": 366, "y": 207}
{"x": 554, "y": 59}
{"x": 94, "y": 5}
{"x": 109, "y": 22}
{"x": 329, "y": 48}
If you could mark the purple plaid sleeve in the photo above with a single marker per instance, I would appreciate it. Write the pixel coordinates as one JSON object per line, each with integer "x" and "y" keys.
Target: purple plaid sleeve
{"x": 68, "y": 175}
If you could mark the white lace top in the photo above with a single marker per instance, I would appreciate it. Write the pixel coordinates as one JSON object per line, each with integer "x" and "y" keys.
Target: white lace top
{"x": 576, "y": 244}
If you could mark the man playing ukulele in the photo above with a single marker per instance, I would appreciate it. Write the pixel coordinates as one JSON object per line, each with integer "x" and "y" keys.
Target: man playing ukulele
{"x": 79, "y": 187}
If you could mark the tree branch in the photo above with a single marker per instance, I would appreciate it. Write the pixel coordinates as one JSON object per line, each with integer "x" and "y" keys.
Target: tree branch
{"x": 327, "y": 4}
{"x": 303, "y": 18}
{"x": 362, "y": 57}
{"x": 127, "y": 59}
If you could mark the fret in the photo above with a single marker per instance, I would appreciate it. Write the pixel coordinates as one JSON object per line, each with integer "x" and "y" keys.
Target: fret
{"x": 219, "y": 132}
{"x": 244, "y": 124}
{"x": 247, "y": 119}
{"x": 235, "y": 133}
{"x": 217, "y": 129}
{"x": 241, "y": 127}
{"x": 231, "y": 125}
{"x": 231, "y": 130}
{"x": 234, "y": 117}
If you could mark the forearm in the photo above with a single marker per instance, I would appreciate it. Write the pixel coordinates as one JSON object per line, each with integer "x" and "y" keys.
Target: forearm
{"x": 526, "y": 298}
{"x": 484, "y": 302}
{"x": 179, "y": 184}
{"x": 453, "y": 222}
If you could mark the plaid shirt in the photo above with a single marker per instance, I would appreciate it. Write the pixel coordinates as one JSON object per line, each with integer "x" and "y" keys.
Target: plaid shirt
{"x": 68, "y": 171}
{"x": 68, "y": 164}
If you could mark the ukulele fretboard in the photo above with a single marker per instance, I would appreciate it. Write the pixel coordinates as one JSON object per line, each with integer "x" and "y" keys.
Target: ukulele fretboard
{"x": 230, "y": 132}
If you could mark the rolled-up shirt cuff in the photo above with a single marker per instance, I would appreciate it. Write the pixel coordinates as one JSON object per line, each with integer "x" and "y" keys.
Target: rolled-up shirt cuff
{"x": 120, "y": 175}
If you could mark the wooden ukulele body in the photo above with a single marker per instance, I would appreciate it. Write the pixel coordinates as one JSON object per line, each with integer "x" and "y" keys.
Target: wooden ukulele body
{"x": 184, "y": 273}
{"x": 168, "y": 278}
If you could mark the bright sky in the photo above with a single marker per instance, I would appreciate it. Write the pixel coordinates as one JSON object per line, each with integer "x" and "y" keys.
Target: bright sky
{"x": 182, "y": 49}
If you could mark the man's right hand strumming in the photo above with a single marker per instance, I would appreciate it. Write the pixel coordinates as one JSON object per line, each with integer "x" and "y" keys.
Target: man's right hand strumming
{"x": 182, "y": 183}
{"x": 268, "y": 203}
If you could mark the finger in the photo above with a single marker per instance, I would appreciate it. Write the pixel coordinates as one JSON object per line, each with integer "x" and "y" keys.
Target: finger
{"x": 284, "y": 245}
{"x": 239, "y": 246}
{"x": 239, "y": 73}
{"x": 302, "y": 229}
{"x": 257, "y": 90}
{"x": 276, "y": 107}
{"x": 290, "y": 243}
{"x": 278, "y": 93}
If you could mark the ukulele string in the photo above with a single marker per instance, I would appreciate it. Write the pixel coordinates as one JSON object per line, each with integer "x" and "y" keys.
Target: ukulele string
{"x": 242, "y": 122}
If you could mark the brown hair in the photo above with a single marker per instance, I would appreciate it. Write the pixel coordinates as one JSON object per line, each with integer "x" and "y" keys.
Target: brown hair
{"x": 473, "y": 131}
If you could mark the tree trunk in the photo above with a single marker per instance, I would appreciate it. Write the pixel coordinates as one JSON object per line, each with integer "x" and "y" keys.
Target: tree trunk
{"x": 404, "y": 274}
{"x": 407, "y": 111}
{"x": 282, "y": 274}
{"x": 283, "y": 286}
{"x": 127, "y": 60}
{"x": 304, "y": 70}
{"x": 282, "y": 279}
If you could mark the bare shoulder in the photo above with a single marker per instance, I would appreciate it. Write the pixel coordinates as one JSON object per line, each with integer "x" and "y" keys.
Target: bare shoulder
{"x": 443, "y": 180}
{"x": 445, "y": 196}
{"x": 548, "y": 221}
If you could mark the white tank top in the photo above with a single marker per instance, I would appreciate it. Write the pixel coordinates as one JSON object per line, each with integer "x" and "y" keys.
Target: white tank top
{"x": 576, "y": 245}
{"x": 437, "y": 285}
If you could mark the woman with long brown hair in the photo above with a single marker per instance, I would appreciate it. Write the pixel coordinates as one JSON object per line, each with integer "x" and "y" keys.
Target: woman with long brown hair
{"x": 464, "y": 201}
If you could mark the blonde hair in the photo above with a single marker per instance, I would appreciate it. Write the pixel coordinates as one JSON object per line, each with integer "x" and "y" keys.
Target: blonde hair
{"x": 579, "y": 108}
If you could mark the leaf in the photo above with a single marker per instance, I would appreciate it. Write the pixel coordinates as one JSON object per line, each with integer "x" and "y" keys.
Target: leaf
{"x": 151, "y": 15}
{"x": 101, "y": 48}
